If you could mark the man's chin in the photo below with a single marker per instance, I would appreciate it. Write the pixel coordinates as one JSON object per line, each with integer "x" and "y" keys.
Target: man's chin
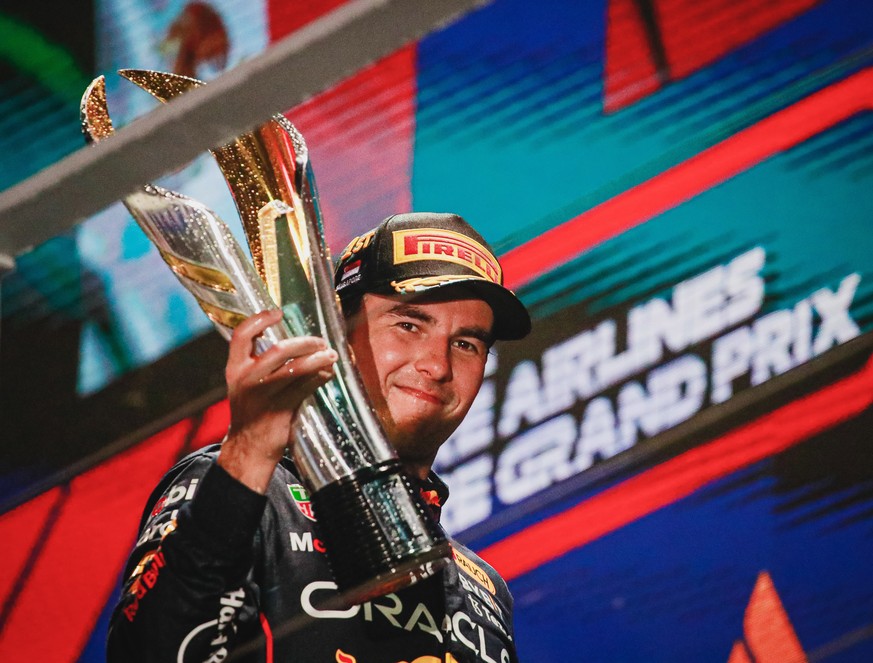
{"x": 416, "y": 445}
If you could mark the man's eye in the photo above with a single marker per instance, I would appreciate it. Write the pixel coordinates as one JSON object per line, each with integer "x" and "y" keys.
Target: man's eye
{"x": 468, "y": 346}
{"x": 407, "y": 326}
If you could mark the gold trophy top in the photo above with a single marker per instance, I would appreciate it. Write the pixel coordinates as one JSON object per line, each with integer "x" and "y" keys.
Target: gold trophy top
{"x": 260, "y": 168}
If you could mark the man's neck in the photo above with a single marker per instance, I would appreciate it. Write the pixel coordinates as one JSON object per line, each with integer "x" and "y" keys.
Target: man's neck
{"x": 418, "y": 470}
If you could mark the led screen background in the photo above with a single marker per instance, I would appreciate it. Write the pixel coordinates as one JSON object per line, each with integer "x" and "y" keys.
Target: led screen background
{"x": 675, "y": 466}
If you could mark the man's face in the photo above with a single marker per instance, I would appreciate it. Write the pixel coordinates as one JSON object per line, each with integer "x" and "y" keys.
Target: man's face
{"x": 422, "y": 362}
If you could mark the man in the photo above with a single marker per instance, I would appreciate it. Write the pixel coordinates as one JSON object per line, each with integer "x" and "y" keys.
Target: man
{"x": 229, "y": 560}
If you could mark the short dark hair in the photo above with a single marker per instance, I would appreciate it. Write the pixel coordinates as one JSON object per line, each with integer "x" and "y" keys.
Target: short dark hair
{"x": 351, "y": 306}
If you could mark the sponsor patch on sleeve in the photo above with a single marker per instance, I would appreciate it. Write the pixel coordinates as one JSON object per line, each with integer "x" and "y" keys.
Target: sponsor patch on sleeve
{"x": 474, "y": 570}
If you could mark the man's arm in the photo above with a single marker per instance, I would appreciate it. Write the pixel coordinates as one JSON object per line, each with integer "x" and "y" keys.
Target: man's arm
{"x": 190, "y": 591}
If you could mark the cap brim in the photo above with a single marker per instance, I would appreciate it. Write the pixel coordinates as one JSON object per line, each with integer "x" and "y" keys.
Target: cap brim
{"x": 511, "y": 319}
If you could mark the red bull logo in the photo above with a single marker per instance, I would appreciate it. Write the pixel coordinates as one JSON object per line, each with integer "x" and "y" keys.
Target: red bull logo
{"x": 430, "y": 497}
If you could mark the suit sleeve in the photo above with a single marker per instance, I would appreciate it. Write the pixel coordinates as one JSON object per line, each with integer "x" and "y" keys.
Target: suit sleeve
{"x": 188, "y": 592}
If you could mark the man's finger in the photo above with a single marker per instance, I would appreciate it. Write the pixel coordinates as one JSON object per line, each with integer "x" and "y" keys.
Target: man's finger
{"x": 286, "y": 352}
{"x": 246, "y": 332}
{"x": 291, "y": 396}
{"x": 298, "y": 367}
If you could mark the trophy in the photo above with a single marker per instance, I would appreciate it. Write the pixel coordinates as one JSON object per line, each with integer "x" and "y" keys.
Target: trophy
{"x": 375, "y": 526}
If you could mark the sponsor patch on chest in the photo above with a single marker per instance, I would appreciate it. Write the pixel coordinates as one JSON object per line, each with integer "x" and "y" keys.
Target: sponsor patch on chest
{"x": 301, "y": 498}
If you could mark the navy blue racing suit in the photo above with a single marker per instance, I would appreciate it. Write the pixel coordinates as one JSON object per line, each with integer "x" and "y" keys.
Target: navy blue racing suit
{"x": 220, "y": 572}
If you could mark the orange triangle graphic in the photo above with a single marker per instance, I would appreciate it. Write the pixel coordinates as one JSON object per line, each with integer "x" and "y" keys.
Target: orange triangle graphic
{"x": 739, "y": 653}
{"x": 769, "y": 636}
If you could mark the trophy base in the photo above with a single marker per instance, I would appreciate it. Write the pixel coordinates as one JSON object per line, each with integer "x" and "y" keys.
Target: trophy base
{"x": 379, "y": 537}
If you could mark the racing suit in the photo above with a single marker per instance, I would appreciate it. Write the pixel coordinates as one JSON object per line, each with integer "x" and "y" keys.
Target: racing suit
{"x": 221, "y": 572}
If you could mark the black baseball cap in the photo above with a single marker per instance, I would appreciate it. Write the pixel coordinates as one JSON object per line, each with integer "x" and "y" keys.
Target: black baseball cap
{"x": 417, "y": 252}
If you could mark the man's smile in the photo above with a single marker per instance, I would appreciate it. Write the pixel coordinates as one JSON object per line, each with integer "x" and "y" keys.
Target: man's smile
{"x": 420, "y": 394}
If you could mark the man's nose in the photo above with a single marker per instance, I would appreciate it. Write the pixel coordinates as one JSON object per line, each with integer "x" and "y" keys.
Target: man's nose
{"x": 434, "y": 360}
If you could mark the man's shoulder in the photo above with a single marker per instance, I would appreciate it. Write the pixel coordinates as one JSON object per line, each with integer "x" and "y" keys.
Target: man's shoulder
{"x": 202, "y": 455}
{"x": 179, "y": 481}
{"x": 473, "y": 565}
